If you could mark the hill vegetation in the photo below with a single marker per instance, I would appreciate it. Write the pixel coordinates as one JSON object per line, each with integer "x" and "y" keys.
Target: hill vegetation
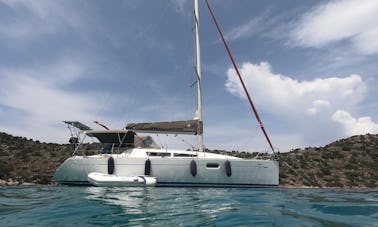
{"x": 350, "y": 162}
{"x": 23, "y": 160}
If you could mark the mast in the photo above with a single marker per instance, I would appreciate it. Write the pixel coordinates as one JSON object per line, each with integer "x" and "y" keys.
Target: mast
{"x": 199, "y": 73}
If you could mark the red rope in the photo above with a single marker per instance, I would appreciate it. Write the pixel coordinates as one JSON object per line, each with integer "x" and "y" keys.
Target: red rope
{"x": 240, "y": 78}
{"x": 102, "y": 125}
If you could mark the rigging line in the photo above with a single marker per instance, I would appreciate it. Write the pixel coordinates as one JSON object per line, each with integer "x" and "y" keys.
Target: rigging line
{"x": 194, "y": 50}
{"x": 189, "y": 64}
{"x": 304, "y": 177}
{"x": 69, "y": 128}
{"x": 161, "y": 144}
{"x": 240, "y": 78}
{"x": 194, "y": 83}
{"x": 184, "y": 141}
{"x": 102, "y": 125}
{"x": 193, "y": 62}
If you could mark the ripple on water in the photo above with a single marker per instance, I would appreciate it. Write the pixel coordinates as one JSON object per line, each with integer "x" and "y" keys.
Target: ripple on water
{"x": 45, "y": 206}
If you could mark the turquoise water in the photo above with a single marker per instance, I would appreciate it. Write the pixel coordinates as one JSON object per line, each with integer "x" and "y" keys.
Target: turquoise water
{"x": 90, "y": 206}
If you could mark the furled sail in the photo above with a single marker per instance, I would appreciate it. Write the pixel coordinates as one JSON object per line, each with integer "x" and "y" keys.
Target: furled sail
{"x": 191, "y": 127}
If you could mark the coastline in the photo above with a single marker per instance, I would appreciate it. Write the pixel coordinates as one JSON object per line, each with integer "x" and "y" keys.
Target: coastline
{"x": 32, "y": 184}
{"x": 347, "y": 163}
{"x": 17, "y": 183}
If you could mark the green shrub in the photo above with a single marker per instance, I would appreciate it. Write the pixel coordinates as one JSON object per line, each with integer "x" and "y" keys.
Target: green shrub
{"x": 5, "y": 170}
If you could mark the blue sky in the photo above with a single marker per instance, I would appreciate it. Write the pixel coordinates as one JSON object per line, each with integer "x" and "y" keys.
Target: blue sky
{"x": 310, "y": 67}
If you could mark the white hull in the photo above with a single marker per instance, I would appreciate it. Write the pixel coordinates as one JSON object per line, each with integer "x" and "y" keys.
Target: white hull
{"x": 174, "y": 171}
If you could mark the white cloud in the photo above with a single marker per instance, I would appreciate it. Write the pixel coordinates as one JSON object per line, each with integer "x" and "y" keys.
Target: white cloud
{"x": 279, "y": 93}
{"x": 367, "y": 42}
{"x": 32, "y": 19}
{"x": 40, "y": 8}
{"x": 252, "y": 27}
{"x": 355, "y": 126}
{"x": 307, "y": 107}
{"x": 318, "y": 105}
{"x": 39, "y": 97}
{"x": 337, "y": 21}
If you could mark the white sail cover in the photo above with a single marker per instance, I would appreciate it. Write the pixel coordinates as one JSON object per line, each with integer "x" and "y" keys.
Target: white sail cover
{"x": 191, "y": 127}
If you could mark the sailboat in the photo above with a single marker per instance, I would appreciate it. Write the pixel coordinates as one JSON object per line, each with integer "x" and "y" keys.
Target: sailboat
{"x": 127, "y": 154}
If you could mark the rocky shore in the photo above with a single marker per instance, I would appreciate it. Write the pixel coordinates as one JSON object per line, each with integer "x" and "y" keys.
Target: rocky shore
{"x": 346, "y": 163}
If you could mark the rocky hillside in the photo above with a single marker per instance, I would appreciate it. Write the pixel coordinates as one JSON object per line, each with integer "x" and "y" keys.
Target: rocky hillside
{"x": 24, "y": 160}
{"x": 350, "y": 162}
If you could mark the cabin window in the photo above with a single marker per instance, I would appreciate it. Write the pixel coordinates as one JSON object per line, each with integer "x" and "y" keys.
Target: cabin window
{"x": 161, "y": 154}
{"x": 212, "y": 165}
{"x": 184, "y": 155}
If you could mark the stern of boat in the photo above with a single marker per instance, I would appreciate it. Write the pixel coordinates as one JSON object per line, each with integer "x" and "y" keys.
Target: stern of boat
{"x": 71, "y": 172}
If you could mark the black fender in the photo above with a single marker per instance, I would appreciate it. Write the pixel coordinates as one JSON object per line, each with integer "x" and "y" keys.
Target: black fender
{"x": 111, "y": 165}
{"x": 227, "y": 166}
{"x": 193, "y": 168}
{"x": 147, "y": 167}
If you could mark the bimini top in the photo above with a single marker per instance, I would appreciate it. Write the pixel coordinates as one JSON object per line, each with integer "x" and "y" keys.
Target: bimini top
{"x": 78, "y": 125}
{"x": 124, "y": 138}
{"x": 191, "y": 127}
{"x": 112, "y": 136}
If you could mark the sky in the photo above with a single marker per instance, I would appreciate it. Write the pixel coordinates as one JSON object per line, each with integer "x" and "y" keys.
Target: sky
{"x": 310, "y": 67}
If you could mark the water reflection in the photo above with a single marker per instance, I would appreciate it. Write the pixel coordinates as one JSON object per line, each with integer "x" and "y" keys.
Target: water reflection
{"x": 159, "y": 205}
{"x": 51, "y": 206}
{"x": 230, "y": 207}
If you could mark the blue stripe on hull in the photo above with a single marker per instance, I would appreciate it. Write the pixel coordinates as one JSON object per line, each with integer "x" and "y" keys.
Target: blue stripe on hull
{"x": 185, "y": 184}
{"x": 196, "y": 184}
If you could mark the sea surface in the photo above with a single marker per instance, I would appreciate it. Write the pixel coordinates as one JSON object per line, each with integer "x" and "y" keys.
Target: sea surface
{"x": 93, "y": 206}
